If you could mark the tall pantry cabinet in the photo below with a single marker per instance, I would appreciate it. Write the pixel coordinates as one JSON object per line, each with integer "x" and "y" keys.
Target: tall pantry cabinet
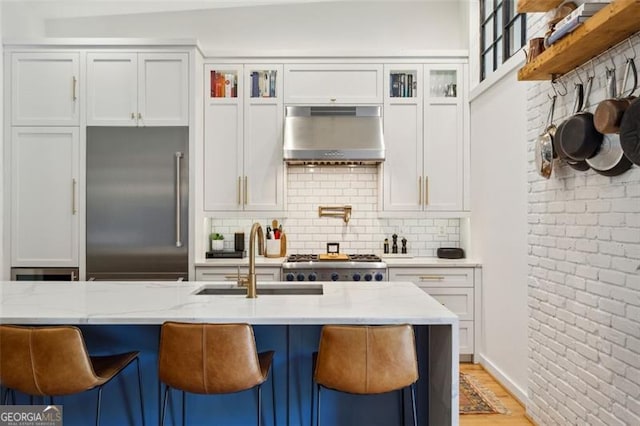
{"x": 45, "y": 157}
{"x": 243, "y": 168}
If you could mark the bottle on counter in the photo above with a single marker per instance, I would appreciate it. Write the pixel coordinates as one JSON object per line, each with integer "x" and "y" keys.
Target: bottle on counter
{"x": 394, "y": 247}
{"x": 385, "y": 246}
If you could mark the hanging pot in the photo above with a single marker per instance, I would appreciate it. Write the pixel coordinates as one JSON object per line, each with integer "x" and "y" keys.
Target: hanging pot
{"x": 578, "y": 131}
{"x": 630, "y": 132}
{"x": 544, "y": 145}
{"x": 609, "y": 113}
{"x": 610, "y": 160}
{"x": 558, "y": 144}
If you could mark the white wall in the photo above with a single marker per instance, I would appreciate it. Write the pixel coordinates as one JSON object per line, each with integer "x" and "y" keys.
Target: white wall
{"x": 2, "y": 160}
{"x": 584, "y": 280}
{"x": 498, "y": 225}
{"x": 326, "y": 26}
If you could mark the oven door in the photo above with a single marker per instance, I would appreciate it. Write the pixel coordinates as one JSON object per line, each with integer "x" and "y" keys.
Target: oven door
{"x": 44, "y": 274}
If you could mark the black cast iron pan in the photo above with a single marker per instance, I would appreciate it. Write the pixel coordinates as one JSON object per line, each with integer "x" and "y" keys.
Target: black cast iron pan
{"x": 580, "y": 139}
{"x": 577, "y": 106}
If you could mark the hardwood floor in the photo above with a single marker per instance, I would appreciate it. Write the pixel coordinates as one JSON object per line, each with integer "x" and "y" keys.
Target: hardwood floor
{"x": 516, "y": 418}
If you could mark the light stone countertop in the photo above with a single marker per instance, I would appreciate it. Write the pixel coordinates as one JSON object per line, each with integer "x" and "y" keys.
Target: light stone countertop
{"x": 139, "y": 302}
{"x": 275, "y": 262}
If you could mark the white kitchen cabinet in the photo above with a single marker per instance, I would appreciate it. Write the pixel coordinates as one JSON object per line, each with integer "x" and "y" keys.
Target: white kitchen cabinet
{"x": 243, "y": 166}
{"x": 44, "y": 196}
{"x": 137, "y": 89}
{"x": 333, "y": 84}
{"x": 230, "y": 274}
{"x": 424, "y": 140}
{"x": 458, "y": 289}
{"x": 44, "y": 89}
{"x": 402, "y": 168}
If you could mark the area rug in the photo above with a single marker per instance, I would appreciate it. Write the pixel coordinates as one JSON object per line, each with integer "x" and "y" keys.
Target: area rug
{"x": 477, "y": 399}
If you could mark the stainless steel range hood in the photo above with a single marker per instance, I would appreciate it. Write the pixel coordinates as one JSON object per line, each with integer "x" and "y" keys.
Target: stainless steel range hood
{"x": 333, "y": 135}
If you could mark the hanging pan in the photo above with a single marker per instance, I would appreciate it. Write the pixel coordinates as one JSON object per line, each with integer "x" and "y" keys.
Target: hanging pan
{"x": 577, "y": 106}
{"x": 609, "y": 113}
{"x": 630, "y": 131}
{"x": 544, "y": 145}
{"x": 610, "y": 160}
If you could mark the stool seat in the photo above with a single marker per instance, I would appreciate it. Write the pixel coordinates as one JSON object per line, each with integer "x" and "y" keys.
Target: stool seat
{"x": 211, "y": 359}
{"x": 366, "y": 360}
{"x": 53, "y": 361}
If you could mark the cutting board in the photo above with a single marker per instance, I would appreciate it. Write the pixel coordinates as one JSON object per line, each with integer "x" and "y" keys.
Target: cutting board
{"x": 333, "y": 256}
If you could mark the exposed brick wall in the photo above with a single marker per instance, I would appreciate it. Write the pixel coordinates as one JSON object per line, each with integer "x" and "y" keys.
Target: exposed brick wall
{"x": 584, "y": 277}
{"x": 338, "y": 185}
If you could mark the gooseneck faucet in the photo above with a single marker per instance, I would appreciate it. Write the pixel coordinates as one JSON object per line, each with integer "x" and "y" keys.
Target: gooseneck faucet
{"x": 251, "y": 277}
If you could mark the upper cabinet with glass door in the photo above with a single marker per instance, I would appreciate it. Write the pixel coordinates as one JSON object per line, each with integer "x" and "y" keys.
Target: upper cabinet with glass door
{"x": 44, "y": 89}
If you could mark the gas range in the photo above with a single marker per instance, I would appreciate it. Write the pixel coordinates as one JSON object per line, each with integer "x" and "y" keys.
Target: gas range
{"x": 356, "y": 267}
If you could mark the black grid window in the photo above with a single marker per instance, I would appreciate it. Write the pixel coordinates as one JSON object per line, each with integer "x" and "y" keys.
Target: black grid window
{"x": 502, "y": 33}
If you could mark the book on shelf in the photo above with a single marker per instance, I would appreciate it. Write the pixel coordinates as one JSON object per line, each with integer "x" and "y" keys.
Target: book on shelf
{"x": 402, "y": 85}
{"x": 223, "y": 85}
{"x": 566, "y": 28}
{"x": 263, "y": 84}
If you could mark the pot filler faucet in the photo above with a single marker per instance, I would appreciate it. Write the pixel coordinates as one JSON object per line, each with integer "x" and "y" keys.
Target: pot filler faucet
{"x": 251, "y": 282}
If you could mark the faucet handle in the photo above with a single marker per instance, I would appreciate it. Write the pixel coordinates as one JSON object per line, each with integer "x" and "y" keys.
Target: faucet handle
{"x": 242, "y": 280}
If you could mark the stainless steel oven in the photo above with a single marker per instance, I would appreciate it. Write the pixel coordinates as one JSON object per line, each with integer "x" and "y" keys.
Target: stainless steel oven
{"x": 44, "y": 274}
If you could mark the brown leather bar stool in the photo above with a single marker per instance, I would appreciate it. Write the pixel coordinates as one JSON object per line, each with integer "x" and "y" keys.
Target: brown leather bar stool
{"x": 366, "y": 360}
{"x": 53, "y": 361}
{"x": 212, "y": 359}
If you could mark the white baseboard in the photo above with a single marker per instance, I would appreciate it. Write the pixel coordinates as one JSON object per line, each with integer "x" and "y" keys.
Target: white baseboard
{"x": 515, "y": 390}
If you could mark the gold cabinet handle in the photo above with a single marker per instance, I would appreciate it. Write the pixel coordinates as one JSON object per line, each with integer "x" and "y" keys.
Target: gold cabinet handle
{"x": 74, "y": 207}
{"x": 239, "y": 190}
{"x": 246, "y": 180}
{"x": 420, "y": 190}
{"x": 73, "y": 88}
{"x": 431, "y": 278}
{"x": 426, "y": 190}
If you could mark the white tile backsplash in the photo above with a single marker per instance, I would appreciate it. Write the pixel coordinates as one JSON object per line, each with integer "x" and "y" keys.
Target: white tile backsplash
{"x": 309, "y": 188}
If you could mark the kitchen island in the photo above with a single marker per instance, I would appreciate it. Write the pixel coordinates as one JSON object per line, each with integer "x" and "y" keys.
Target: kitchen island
{"x": 122, "y": 316}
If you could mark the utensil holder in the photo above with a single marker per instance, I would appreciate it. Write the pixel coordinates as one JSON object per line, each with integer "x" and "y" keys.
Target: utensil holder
{"x": 273, "y": 248}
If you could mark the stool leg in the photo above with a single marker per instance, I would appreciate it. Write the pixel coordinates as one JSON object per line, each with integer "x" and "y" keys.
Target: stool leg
{"x": 273, "y": 394}
{"x": 259, "y": 423}
{"x": 402, "y": 417}
{"x": 140, "y": 391}
{"x": 318, "y": 405}
{"x": 164, "y": 404}
{"x": 98, "y": 409}
{"x": 413, "y": 404}
{"x": 184, "y": 402}
{"x": 5, "y": 398}
{"x": 313, "y": 399}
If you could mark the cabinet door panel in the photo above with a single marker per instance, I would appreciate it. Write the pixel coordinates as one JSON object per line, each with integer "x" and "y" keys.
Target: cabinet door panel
{"x": 44, "y": 218}
{"x": 443, "y": 157}
{"x": 163, "y": 89}
{"x": 112, "y": 83}
{"x": 457, "y": 300}
{"x": 466, "y": 332}
{"x": 44, "y": 89}
{"x": 333, "y": 83}
{"x": 434, "y": 277}
{"x": 403, "y": 156}
{"x": 223, "y": 157}
{"x": 263, "y": 166}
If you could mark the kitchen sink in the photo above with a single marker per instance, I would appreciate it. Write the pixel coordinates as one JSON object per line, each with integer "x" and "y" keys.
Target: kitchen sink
{"x": 271, "y": 290}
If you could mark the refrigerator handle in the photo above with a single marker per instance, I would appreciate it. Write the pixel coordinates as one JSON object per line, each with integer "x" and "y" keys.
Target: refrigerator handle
{"x": 178, "y": 201}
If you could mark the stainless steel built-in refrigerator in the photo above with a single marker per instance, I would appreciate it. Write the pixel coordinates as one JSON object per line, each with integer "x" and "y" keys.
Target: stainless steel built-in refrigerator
{"x": 137, "y": 203}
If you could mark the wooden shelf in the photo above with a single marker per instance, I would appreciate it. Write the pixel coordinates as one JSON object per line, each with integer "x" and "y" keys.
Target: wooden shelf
{"x": 527, "y": 6}
{"x": 611, "y": 25}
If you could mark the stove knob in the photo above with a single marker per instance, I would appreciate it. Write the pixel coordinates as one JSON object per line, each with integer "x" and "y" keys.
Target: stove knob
{"x": 335, "y": 276}
{"x": 312, "y": 276}
{"x": 368, "y": 277}
{"x": 290, "y": 277}
{"x": 300, "y": 277}
{"x": 379, "y": 276}
{"x": 356, "y": 277}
